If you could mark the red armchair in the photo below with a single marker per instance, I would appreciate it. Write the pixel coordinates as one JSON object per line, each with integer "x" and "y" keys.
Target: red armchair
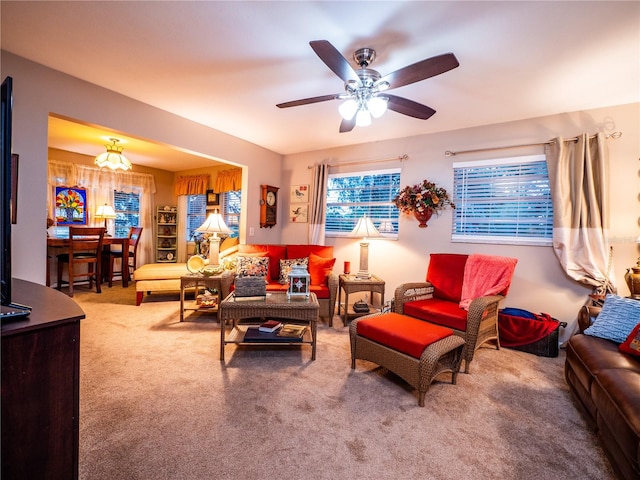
{"x": 461, "y": 294}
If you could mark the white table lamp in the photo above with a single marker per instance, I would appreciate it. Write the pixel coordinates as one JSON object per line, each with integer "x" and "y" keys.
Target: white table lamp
{"x": 105, "y": 212}
{"x": 364, "y": 229}
{"x": 214, "y": 225}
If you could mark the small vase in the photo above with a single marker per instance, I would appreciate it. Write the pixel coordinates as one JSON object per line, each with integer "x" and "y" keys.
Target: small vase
{"x": 69, "y": 214}
{"x": 632, "y": 277}
{"x": 423, "y": 217}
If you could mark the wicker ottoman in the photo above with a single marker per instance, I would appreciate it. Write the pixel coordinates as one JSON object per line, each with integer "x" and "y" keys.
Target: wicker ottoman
{"x": 414, "y": 350}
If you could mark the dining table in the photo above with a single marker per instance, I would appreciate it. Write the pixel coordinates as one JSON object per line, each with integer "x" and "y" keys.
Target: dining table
{"x": 59, "y": 239}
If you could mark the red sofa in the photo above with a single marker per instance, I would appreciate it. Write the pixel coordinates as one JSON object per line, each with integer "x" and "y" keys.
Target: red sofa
{"x": 324, "y": 281}
{"x": 438, "y": 299}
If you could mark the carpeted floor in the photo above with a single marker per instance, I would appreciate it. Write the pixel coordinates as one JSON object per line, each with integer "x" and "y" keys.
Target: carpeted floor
{"x": 157, "y": 403}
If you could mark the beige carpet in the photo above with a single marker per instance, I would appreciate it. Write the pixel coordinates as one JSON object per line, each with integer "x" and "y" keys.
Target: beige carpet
{"x": 157, "y": 403}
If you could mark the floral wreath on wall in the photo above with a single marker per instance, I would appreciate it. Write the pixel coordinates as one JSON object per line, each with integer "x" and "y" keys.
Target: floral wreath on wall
{"x": 422, "y": 200}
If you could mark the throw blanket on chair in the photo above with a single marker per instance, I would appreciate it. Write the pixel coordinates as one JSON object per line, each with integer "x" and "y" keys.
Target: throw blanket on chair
{"x": 485, "y": 275}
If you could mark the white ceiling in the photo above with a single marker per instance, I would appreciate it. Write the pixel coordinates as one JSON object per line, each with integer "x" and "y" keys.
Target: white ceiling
{"x": 227, "y": 64}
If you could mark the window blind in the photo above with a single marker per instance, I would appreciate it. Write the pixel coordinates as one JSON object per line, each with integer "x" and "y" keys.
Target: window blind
{"x": 503, "y": 201}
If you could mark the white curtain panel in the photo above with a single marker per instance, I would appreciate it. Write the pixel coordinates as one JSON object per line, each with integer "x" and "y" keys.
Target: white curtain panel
{"x": 579, "y": 181}
{"x": 317, "y": 213}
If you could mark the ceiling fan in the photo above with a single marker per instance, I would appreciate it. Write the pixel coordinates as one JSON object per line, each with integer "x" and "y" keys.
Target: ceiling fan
{"x": 363, "y": 95}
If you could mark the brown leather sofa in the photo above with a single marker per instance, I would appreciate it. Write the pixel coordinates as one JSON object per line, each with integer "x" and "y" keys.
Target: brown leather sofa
{"x": 606, "y": 384}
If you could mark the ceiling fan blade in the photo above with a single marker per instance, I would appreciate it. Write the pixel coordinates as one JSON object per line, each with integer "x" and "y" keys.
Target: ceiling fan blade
{"x": 306, "y": 101}
{"x": 347, "y": 125}
{"x": 419, "y": 71}
{"x": 409, "y": 107}
{"x": 335, "y": 61}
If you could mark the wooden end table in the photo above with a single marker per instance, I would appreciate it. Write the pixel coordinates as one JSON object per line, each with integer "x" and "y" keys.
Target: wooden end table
{"x": 350, "y": 284}
{"x": 274, "y": 305}
{"x": 197, "y": 280}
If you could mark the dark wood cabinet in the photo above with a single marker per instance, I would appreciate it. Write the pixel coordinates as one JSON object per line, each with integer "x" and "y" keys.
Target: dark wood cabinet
{"x": 40, "y": 386}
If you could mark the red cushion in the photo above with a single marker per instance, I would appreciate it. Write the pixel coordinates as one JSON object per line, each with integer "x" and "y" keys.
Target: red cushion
{"x": 632, "y": 344}
{"x": 299, "y": 251}
{"x": 435, "y": 310}
{"x": 445, "y": 273}
{"x": 274, "y": 252}
{"x": 320, "y": 268}
{"x": 405, "y": 334}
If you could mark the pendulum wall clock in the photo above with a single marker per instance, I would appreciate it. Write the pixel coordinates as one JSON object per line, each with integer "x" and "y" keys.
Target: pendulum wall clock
{"x": 268, "y": 205}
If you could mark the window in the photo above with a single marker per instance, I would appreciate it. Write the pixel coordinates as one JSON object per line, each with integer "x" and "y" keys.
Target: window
{"x": 231, "y": 210}
{"x": 352, "y": 195}
{"x": 506, "y": 201}
{"x": 196, "y": 213}
{"x": 127, "y": 208}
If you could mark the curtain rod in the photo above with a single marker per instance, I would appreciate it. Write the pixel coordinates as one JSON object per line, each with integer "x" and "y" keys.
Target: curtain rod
{"x": 449, "y": 153}
{"x": 401, "y": 158}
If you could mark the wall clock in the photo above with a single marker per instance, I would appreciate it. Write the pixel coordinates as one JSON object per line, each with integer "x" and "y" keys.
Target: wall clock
{"x": 268, "y": 205}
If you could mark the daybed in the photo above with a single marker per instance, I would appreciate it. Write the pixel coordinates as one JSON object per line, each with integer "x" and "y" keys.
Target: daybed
{"x": 165, "y": 277}
{"x": 605, "y": 383}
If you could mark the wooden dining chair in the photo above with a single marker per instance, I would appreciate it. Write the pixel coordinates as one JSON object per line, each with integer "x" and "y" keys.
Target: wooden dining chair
{"x": 85, "y": 248}
{"x": 131, "y": 262}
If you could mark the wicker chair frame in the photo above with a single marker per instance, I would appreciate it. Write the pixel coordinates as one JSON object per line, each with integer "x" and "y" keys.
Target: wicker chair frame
{"x": 482, "y": 317}
{"x": 440, "y": 357}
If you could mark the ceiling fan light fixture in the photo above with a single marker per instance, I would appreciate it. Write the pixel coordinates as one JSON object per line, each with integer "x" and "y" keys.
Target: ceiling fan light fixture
{"x": 113, "y": 157}
{"x": 348, "y": 109}
{"x": 377, "y": 106}
{"x": 363, "y": 118}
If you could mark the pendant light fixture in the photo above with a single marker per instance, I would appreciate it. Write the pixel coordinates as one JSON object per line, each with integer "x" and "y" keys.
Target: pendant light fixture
{"x": 113, "y": 157}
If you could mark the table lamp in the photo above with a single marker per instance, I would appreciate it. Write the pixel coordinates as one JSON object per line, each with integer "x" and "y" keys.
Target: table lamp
{"x": 364, "y": 229}
{"x": 105, "y": 212}
{"x": 214, "y": 225}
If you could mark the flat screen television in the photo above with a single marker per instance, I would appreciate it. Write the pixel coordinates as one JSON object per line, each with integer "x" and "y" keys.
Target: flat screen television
{"x": 10, "y": 309}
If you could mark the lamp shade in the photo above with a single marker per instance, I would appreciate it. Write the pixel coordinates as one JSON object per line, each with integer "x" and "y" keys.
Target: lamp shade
{"x": 113, "y": 157}
{"x": 105, "y": 211}
{"x": 214, "y": 224}
{"x": 364, "y": 229}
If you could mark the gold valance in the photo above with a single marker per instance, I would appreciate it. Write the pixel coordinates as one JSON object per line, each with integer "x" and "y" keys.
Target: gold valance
{"x": 229, "y": 180}
{"x": 192, "y": 185}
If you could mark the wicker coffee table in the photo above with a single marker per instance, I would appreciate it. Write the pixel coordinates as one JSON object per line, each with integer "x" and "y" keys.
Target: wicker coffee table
{"x": 244, "y": 313}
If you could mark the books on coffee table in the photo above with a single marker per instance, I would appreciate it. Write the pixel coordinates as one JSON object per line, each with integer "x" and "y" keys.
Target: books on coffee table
{"x": 291, "y": 330}
{"x": 270, "y": 326}
{"x": 253, "y": 334}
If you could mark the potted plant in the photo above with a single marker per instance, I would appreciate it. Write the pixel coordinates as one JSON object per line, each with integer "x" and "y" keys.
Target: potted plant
{"x": 423, "y": 199}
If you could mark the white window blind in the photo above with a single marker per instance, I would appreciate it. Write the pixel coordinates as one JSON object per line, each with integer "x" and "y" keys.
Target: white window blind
{"x": 196, "y": 213}
{"x": 503, "y": 201}
{"x": 352, "y": 195}
{"x": 127, "y": 208}
{"x": 232, "y": 203}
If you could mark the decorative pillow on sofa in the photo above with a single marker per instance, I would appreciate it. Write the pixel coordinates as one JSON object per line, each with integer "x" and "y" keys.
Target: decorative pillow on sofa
{"x": 632, "y": 344}
{"x": 320, "y": 268}
{"x": 616, "y": 319}
{"x": 252, "y": 266}
{"x": 285, "y": 267}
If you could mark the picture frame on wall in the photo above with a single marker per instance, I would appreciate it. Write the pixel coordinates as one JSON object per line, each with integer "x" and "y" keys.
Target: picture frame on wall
{"x": 70, "y": 206}
{"x": 213, "y": 199}
{"x": 300, "y": 194}
{"x": 299, "y": 213}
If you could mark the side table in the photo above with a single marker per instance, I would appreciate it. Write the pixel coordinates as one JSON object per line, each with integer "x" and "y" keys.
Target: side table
{"x": 197, "y": 280}
{"x": 350, "y": 284}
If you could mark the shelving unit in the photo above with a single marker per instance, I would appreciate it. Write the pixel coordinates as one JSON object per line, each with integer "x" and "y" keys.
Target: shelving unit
{"x": 167, "y": 234}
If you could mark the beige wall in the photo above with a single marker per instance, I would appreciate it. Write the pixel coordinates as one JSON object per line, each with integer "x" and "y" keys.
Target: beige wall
{"x": 539, "y": 284}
